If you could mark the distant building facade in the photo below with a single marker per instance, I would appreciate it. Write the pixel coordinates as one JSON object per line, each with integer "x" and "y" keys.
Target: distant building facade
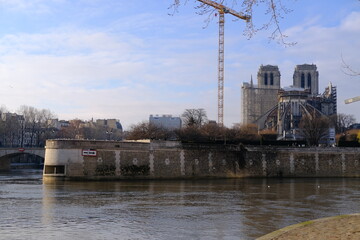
{"x": 258, "y": 99}
{"x": 284, "y": 113}
{"x": 306, "y": 76}
{"x": 109, "y": 123}
{"x": 112, "y": 128}
{"x": 57, "y": 124}
{"x": 100, "y": 129}
{"x": 165, "y": 121}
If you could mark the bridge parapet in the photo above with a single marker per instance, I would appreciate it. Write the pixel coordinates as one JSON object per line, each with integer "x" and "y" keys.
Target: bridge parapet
{"x": 11, "y": 151}
{"x": 7, "y": 153}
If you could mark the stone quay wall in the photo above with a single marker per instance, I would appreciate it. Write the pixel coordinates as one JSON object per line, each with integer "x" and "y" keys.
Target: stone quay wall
{"x": 173, "y": 160}
{"x": 303, "y": 162}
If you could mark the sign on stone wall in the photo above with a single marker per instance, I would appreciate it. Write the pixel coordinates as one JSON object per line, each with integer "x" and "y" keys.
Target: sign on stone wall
{"x": 89, "y": 152}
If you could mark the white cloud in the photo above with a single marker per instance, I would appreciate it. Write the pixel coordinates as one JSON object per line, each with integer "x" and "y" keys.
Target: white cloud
{"x": 105, "y": 73}
{"x": 352, "y": 22}
{"x": 324, "y": 46}
{"x": 96, "y": 74}
{"x": 34, "y": 6}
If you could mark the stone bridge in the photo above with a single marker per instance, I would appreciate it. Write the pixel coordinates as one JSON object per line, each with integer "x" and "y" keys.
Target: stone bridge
{"x": 7, "y": 153}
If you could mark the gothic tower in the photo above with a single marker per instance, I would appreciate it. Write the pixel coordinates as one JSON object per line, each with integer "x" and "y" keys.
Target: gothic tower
{"x": 260, "y": 98}
{"x": 268, "y": 77}
{"x": 306, "y": 76}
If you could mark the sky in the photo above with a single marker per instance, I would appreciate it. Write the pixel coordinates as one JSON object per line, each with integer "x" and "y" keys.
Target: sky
{"x": 125, "y": 59}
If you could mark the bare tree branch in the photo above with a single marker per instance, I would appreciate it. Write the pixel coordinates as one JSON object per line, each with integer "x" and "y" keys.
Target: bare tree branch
{"x": 346, "y": 68}
{"x": 274, "y": 9}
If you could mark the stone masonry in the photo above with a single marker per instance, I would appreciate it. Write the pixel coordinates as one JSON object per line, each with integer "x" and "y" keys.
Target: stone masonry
{"x": 171, "y": 160}
{"x": 260, "y": 98}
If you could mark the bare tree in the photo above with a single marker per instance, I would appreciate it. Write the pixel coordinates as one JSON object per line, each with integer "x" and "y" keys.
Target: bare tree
{"x": 274, "y": 9}
{"x": 74, "y": 130}
{"x": 342, "y": 121}
{"x": 314, "y": 128}
{"x": 10, "y": 125}
{"x": 246, "y": 131}
{"x": 212, "y": 132}
{"x": 194, "y": 117}
{"x": 190, "y": 134}
{"x": 3, "y": 110}
{"x": 30, "y": 124}
{"x": 45, "y": 116}
{"x": 34, "y": 125}
{"x": 45, "y": 131}
{"x": 146, "y": 130}
{"x": 347, "y": 69}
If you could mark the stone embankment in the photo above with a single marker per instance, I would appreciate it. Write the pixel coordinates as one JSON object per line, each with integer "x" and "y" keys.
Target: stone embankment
{"x": 171, "y": 160}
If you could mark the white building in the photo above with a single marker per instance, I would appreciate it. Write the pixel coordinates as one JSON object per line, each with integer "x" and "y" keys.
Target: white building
{"x": 166, "y": 121}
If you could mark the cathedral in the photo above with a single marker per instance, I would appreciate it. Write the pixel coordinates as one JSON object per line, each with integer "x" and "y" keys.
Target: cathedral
{"x": 280, "y": 109}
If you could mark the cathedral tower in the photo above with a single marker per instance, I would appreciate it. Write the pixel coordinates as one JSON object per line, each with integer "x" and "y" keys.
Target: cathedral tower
{"x": 306, "y": 76}
{"x": 260, "y": 98}
{"x": 268, "y": 77}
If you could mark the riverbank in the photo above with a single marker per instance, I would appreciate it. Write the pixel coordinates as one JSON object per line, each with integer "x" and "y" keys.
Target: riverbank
{"x": 338, "y": 227}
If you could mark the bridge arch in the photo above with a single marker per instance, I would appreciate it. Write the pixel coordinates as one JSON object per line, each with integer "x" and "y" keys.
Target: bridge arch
{"x": 12, "y": 157}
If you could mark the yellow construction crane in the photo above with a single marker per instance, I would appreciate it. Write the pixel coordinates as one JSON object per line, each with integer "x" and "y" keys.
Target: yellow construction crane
{"x": 222, "y": 10}
{"x": 351, "y": 100}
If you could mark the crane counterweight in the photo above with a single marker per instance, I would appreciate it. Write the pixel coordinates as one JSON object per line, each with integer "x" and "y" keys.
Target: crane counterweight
{"x": 351, "y": 100}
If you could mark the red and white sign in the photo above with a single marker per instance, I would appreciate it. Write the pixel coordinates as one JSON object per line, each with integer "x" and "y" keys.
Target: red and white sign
{"x": 21, "y": 149}
{"x": 89, "y": 152}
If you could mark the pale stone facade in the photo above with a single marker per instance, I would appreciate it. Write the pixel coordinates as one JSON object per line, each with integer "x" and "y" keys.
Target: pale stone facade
{"x": 281, "y": 109}
{"x": 260, "y": 98}
{"x": 293, "y": 104}
{"x": 306, "y": 76}
{"x": 115, "y": 160}
{"x": 109, "y": 123}
{"x": 268, "y": 77}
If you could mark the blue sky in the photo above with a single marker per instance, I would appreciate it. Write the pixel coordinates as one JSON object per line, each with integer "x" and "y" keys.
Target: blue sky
{"x": 129, "y": 59}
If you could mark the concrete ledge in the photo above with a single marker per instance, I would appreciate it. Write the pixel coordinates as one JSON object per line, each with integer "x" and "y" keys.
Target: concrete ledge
{"x": 337, "y": 227}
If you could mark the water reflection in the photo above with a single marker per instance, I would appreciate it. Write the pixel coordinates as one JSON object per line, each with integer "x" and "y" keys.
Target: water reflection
{"x": 202, "y": 209}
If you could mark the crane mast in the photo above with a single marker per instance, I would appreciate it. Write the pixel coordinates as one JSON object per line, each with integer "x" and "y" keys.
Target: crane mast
{"x": 221, "y": 70}
{"x": 222, "y": 10}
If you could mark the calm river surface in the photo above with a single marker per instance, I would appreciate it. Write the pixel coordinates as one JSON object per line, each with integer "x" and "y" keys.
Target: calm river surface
{"x": 202, "y": 209}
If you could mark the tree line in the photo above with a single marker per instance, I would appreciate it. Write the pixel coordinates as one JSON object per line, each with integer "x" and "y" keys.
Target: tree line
{"x": 31, "y": 127}
{"x": 197, "y": 128}
{"x": 26, "y": 127}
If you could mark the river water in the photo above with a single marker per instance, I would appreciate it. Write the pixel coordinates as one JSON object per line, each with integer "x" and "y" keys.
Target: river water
{"x": 201, "y": 209}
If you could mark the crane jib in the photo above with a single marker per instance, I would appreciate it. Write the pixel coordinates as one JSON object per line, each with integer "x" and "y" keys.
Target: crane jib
{"x": 225, "y": 9}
